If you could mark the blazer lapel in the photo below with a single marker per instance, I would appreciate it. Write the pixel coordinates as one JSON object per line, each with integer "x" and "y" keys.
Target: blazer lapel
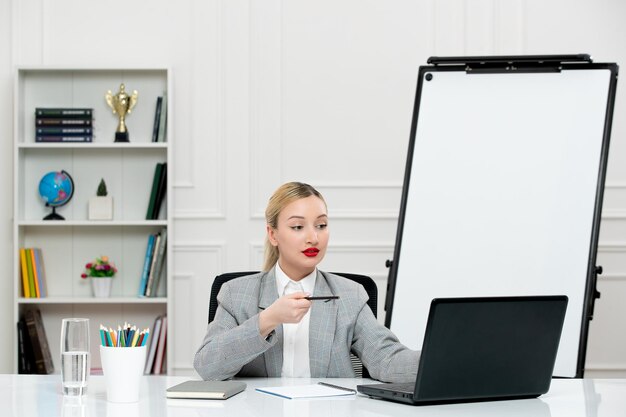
{"x": 267, "y": 295}
{"x": 321, "y": 329}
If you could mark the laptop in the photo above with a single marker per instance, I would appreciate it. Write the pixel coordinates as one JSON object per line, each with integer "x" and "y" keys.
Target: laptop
{"x": 483, "y": 349}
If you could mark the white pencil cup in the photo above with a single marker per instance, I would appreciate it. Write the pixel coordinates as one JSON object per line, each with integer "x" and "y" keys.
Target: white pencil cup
{"x": 123, "y": 369}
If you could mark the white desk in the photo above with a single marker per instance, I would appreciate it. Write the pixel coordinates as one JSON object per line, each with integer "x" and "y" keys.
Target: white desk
{"x": 34, "y": 395}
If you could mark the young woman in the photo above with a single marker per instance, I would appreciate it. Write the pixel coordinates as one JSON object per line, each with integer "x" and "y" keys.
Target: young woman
{"x": 265, "y": 326}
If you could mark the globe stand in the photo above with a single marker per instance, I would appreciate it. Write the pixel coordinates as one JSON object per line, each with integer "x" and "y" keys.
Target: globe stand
{"x": 54, "y": 215}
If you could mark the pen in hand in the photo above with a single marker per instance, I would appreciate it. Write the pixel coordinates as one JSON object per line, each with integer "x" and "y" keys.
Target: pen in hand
{"x": 322, "y": 297}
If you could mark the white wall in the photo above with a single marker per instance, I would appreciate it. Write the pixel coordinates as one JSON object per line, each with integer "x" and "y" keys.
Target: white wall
{"x": 270, "y": 91}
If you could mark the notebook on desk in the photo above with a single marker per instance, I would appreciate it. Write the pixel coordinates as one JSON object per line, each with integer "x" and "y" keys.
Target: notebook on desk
{"x": 206, "y": 390}
{"x": 480, "y": 349}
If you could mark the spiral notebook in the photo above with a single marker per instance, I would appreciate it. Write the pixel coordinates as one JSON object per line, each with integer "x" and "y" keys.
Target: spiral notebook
{"x": 308, "y": 391}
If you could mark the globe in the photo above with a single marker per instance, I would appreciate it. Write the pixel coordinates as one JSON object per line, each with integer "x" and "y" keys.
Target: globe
{"x": 56, "y": 188}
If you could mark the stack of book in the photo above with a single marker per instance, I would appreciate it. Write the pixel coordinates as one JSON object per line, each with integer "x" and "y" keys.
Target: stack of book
{"x": 64, "y": 124}
{"x": 153, "y": 264}
{"x": 33, "y": 273}
{"x": 156, "y": 357}
{"x": 34, "y": 355}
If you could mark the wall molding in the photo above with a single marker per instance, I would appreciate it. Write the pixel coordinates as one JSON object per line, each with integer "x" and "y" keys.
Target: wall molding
{"x": 612, "y": 277}
{"x": 257, "y": 248}
{"x": 199, "y": 215}
{"x": 182, "y": 276}
{"x": 357, "y": 214}
{"x": 215, "y": 169}
{"x": 206, "y": 246}
{"x": 612, "y": 247}
{"x": 600, "y": 366}
{"x": 215, "y": 247}
{"x": 265, "y": 135}
{"x": 615, "y": 185}
{"x": 360, "y": 247}
{"x": 345, "y": 246}
{"x": 613, "y": 215}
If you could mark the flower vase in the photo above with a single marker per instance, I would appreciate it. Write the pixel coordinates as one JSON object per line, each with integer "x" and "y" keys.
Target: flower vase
{"x": 101, "y": 287}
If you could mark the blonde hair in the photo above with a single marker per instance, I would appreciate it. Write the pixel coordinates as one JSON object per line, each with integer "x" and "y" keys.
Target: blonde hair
{"x": 282, "y": 197}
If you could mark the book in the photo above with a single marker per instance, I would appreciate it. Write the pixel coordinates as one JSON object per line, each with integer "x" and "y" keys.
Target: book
{"x": 64, "y": 131}
{"x": 59, "y": 121}
{"x": 153, "y": 259}
{"x": 31, "y": 278}
{"x": 35, "y": 277}
{"x": 153, "y": 282}
{"x": 24, "y": 350}
{"x": 160, "y": 353}
{"x": 163, "y": 369}
{"x": 154, "y": 339}
{"x": 155, "y": 187}
{"x": 157, "y": 119}
{"x": 41, "y": 272}
{"x": 160, "y": 195}
{"x": 25, "y": 285}
{"x": 146, "y": 266}
{"x": 78, "y": 139}
{"x": 205, "y": 390}
{"x": 39, "y": 342}
{"x": 67, "y": 112}
{"x": 162, "y": 135}
{"x": 321, "y": 389}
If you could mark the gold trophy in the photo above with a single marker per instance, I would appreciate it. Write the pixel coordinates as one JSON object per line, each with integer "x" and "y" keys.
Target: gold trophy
{"x": 121, "y": 104}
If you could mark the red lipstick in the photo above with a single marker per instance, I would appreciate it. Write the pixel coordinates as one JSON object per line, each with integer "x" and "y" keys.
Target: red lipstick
{"x": 311, "y": 252}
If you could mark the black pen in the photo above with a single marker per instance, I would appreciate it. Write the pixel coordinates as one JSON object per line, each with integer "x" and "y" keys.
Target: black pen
{"x": 322, "y": 297}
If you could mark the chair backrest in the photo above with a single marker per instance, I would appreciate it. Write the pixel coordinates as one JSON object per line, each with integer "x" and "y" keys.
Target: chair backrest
{"x": 367, "y": 282}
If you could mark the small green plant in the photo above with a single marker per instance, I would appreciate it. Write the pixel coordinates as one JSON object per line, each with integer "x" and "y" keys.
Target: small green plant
{"x": 102, "y": 189}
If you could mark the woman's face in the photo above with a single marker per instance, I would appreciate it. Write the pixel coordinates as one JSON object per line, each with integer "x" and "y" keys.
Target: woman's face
{"x": 301, "y": 236}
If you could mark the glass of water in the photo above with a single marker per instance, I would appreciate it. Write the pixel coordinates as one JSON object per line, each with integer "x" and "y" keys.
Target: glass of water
{"x": 75, "y": 359}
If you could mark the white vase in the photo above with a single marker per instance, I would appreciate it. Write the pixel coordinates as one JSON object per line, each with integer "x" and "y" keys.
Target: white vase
{"x": 101, "y": 287}
{"x": 101, "y": 208}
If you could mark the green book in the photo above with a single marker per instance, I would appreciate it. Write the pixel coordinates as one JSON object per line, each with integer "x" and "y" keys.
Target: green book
{"x": 155, "y": 188}
{"x": 162, "y": 131}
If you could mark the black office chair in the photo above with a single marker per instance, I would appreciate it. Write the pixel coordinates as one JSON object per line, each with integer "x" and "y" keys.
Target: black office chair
{"x": 367, "y": 283}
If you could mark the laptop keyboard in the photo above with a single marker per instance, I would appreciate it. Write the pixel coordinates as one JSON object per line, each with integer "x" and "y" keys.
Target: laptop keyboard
{"x": 407, "y": 388}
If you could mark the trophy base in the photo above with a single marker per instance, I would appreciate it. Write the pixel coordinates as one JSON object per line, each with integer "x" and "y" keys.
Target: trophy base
{"x": 121, "y": 136}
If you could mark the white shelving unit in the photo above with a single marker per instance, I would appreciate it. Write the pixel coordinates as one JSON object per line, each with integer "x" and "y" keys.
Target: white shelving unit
{"x": 128, "y": 169}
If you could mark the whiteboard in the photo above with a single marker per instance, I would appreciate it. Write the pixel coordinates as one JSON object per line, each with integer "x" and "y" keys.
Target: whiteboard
{"x": 502, "y": 193}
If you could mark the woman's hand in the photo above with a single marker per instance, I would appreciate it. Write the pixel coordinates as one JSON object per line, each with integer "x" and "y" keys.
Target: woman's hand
{"x": 290, "y": 308}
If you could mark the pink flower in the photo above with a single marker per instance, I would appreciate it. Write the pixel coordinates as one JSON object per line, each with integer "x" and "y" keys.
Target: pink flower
{"x": 100, "y": 267}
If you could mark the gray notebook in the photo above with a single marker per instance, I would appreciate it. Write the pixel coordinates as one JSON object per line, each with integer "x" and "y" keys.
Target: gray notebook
{"x": 208, "y": 390}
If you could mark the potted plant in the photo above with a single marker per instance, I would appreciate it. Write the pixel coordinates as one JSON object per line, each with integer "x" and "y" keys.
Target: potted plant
{"x": 101, "y": 271}
{"x": 101, "y": 206}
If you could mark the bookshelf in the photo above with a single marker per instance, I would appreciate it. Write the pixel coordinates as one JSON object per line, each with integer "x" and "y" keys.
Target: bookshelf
{"x": 128, "y": 169}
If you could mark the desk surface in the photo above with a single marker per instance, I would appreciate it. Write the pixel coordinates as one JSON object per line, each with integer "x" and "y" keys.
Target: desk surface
{"x": 39, "y": 395}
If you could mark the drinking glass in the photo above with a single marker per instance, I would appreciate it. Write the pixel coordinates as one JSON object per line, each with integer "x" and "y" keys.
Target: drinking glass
{"x": 75, "y": 358}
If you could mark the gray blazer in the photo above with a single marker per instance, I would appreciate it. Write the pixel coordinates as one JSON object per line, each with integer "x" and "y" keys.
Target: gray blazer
{"x": 233, "y": 345}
